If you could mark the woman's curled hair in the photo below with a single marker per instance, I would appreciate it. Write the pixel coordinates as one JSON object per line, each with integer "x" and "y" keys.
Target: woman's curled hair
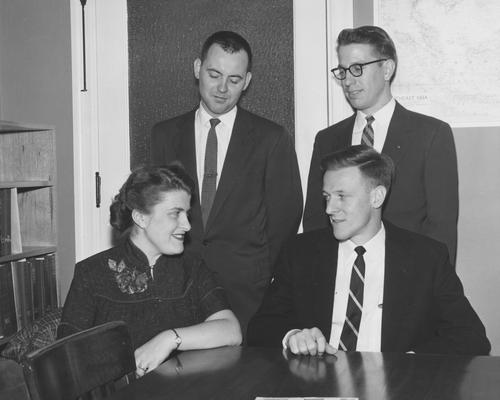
{"x": 143, "y": 189}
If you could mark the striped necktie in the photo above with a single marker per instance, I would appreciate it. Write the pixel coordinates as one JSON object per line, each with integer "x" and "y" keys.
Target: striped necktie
{"x": 367, "y": 137}
{"x": 209, "y": 185}
{"x": 349, "y": 336}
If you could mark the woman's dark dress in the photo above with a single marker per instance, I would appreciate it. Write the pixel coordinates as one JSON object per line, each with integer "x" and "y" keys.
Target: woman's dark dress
{"x": 183, "y": 293}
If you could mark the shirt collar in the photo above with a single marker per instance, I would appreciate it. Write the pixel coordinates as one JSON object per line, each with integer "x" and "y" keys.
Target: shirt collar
{"x": 383, "y": 115}
{"x": 375, "y": 243}
{"x": 226, "y": 119}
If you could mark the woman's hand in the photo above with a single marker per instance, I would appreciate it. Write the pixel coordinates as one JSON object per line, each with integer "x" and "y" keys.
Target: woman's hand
{"x": 219, "y": 329}
{"x": 154, "y": 352}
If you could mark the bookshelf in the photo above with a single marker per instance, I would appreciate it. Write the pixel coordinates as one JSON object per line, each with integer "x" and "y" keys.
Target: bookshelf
{"x": 27, "y": 224}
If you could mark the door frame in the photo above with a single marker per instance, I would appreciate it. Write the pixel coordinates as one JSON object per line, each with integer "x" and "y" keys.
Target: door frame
{"x": 101, "y": 115}
{"x": 319, "y": 100}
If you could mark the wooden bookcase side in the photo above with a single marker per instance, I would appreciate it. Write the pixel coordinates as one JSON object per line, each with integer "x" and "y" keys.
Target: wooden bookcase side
{"x": 27, "y": 155}
{"x": 27, "y": 171}
{"x": 28, "y": 165}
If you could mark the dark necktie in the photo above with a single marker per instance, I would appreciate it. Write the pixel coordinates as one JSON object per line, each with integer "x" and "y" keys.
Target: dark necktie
{"x": 349, "y": 336}
{"x": 368, "y": 136}
{"x": 209, "y": 185}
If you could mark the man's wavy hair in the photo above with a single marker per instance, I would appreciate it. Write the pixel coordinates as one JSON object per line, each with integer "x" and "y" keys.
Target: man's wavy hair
{"x": 377, "y": 167}
{"x": 374, "y": 36}
{"x": 230, "y": 42}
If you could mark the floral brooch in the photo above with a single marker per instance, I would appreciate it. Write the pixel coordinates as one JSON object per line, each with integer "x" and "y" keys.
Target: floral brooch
{"x": 129, "y": 280}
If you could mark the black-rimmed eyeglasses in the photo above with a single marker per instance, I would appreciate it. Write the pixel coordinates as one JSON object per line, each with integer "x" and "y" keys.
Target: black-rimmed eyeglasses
{"x": 355, "y": 69}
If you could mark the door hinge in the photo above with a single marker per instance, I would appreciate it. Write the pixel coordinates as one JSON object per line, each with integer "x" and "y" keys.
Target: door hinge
{"x": 97, "y": 190}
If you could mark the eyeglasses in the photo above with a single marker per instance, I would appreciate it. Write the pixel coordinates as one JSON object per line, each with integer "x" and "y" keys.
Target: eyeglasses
{"x": 355, "y": 69}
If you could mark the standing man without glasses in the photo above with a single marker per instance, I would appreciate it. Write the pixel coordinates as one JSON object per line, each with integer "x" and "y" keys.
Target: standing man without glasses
{"x": 424, "y": 195}
{"x": 248, "y": 199}
{"x": 363, "y": 284}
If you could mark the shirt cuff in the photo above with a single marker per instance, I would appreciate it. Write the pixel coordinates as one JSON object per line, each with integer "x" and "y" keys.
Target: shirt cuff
{"x": 284, "y": 342}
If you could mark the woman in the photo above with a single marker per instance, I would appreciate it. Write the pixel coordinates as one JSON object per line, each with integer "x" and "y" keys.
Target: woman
{"x": 169, "y": 300}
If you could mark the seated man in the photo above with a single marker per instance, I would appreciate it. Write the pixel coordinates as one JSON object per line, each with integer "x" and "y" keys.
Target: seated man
{"x": 370, "y": 286}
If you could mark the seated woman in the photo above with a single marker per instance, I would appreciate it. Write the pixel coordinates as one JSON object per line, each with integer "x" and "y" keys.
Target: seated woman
{"x": 169, "y": 300}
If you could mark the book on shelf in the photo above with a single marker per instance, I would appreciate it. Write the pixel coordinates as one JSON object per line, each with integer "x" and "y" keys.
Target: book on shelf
{"x": 5, "y": 222}
{"x": 38, "y": 277}
{"x": 18, "y": 279}
{"x": 34, "y": 288}
{"x": 51, "y": 285}
{"x": 8, "y": 322}
{"x": 28, "y": 291}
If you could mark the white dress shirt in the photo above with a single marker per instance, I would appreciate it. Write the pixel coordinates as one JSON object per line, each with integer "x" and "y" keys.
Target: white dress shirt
{"x": 370, "y": 329}
{"x": 380, "y": 125}
{"x": 223, "y": 131}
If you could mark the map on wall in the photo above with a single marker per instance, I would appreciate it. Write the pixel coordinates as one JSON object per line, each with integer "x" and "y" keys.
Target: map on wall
{"x": 449, "y": 57}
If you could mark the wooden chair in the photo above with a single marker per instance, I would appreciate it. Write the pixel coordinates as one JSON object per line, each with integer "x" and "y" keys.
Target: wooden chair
{"x": 83, "y": 365}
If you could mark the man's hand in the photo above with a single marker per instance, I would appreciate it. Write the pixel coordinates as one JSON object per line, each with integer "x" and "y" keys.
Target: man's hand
{"x": 309, "y": 341}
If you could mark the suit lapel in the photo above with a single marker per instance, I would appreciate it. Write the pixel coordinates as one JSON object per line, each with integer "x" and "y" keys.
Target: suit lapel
{"x": 326, "y": 272}
{"x": 240, "y": 146}
{"x": 187, "y": 149}
{"x": 398, "y": 138}
{"x": 397, "y": 282}
{"x": 186, "y": 154}
{"x": 344, "y": 138}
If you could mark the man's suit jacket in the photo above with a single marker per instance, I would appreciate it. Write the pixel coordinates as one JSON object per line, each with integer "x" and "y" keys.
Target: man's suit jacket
{"x": 424, "y": 194}
{"x": 424, "y": 307}
{"x": 257, "y": 206}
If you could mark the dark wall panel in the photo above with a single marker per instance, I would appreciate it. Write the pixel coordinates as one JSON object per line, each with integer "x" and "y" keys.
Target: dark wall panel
{"x": 165, "y": 37}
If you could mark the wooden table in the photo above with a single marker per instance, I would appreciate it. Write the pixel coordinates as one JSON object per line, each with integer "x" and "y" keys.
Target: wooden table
{"x": 245, "y": 373}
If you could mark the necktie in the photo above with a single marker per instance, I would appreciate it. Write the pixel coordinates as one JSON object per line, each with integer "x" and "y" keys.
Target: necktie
{"x": 349, "y": 336}
{"x": 368, "y": 136}
{"x": 209, "y": 185}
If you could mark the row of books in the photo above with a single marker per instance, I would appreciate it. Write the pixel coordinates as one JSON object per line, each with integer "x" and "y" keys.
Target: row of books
{"x": 27, "y": 291}
{"x": 5, "y": 222}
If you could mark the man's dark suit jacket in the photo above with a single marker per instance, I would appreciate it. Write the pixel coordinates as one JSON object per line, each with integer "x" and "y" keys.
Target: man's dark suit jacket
{"x": 424, "y": 307}
{"x": 257, "y": 206}
{"x": 424, "y": 193}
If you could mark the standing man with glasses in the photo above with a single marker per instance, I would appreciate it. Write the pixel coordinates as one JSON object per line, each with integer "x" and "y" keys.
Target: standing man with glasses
{"x": 248, "y": 197}
{"x": 424, "y": 194}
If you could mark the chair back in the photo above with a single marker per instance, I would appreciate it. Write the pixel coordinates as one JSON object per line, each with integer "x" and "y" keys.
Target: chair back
{"x": 83, "y": 365}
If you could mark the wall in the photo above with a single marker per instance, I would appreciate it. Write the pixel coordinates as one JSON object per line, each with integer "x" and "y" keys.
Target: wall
{"x": 35, "y": 87}
{"x": 478, "y": 264}
{"x": 166, "y": 37}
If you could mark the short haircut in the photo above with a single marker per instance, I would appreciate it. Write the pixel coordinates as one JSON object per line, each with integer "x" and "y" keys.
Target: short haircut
{"x": 377, "y": 167}
{"x": 143, "y": 189}
{"x": 230, "y": 42}
{"x": 374, "y": 36}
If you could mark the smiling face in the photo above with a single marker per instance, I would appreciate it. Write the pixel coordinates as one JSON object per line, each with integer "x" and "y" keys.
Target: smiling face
{"x": 353, "y": 204}
{"x": 222, "y": 79}
{"x": 162, "y": 230}
{"x": 372, "y": 90}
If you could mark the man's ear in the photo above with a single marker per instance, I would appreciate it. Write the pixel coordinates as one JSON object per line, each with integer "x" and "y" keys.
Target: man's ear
{"x": 196, "y": 68}
{"x": 389, "y": 69}
{"x": 248, "y": 78}
{"x": 139, "y": 218}
{"x": 377, "y": 196}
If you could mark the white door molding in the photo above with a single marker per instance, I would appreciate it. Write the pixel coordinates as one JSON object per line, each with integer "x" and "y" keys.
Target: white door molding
{"x": 340, "y": 15}
{"x": 100, "y": 117}
{"x": 319, "y": 100}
